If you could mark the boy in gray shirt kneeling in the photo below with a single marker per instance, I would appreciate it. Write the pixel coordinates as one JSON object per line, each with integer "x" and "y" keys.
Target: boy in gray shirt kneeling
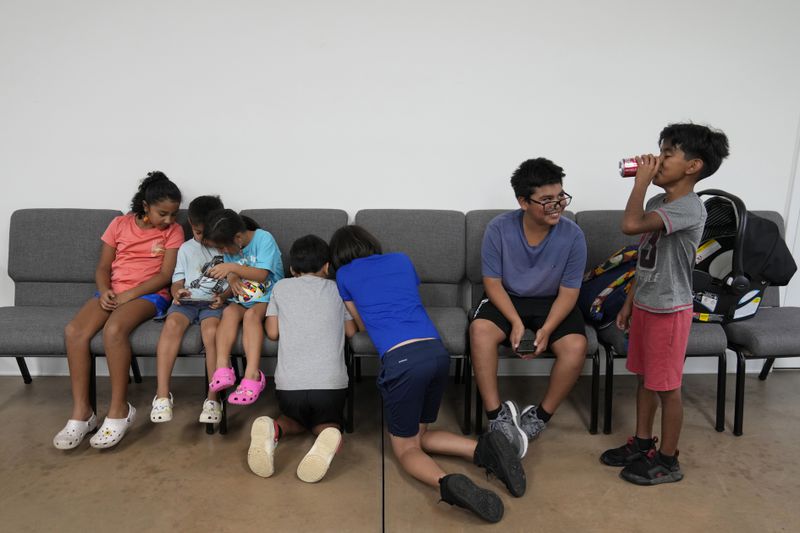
{"x": 308, "y": 315}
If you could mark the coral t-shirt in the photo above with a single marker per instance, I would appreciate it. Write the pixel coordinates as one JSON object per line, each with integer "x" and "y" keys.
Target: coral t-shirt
{"x": 139, "y": 252}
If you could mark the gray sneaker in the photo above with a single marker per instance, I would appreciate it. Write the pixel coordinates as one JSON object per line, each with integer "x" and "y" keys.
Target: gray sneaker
{"x": 531, "y": 424}
{"x": 507, "y": 423}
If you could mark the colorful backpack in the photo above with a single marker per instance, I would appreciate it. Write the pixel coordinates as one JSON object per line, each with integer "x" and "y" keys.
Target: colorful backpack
{"x": 606, "y": 287}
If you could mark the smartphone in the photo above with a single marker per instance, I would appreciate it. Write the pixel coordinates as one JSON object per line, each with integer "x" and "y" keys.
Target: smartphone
{"x": 527, "y": 344}
{"x": 195, "y": 301}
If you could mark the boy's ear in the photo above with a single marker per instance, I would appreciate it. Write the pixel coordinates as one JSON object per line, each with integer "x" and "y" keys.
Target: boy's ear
{"x": 695, "y": 166}
{"x": 326, "y": 269}
{"x": 294, "y": 274}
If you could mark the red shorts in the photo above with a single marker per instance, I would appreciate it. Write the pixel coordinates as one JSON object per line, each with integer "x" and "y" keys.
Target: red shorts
{"x": 657, "y": 347}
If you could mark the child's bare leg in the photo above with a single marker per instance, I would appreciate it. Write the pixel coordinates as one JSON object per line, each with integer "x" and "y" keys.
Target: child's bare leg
{"x": 77, "y": 335}
{"x": 646, "y": 405}
{"x": 289, "y": 426}
{"x": 169, "y": 343}
{"x": 253, "y": 338}
{"x": 416, "y": 462}
{"x": 570, "y": 352}
{"x": 446, "y": 443}
{"x": 208, "y": 332}
{"x": 117, "y": 343}
{"x": 671, "y": 420}
{"x": 226, "y": 333}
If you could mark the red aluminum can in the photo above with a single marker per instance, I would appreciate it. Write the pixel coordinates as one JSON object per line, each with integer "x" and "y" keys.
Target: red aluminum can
{"x": 628, "y": 167}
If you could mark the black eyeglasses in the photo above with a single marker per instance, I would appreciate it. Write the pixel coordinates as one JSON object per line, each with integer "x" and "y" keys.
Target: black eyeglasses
{"x": 551, "y": 205}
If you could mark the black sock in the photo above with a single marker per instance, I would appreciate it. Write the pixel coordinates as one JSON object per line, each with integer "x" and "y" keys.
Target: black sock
{"x": 491, "y": 415}
{"x": 644, "y": 444}
{"x": 666, "y": 460}
{"x": 543, "y": 415}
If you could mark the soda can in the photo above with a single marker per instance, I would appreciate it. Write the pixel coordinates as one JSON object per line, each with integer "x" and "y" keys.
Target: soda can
{"x": 628, "y": 167}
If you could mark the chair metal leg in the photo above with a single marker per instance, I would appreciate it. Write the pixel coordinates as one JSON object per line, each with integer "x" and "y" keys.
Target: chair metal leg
{"x": 457, "y": 374}
{"x": 137, "y": 375}
{"x": 738, "y": 413}
{"x": 348, "y": 424}
{"x": 23, "y": 369}
{"x": 595, "y": 393}
{"x": 93, "y": 383}
{"x": 358, "y": 369}
{"x": 466, "y": 379}
{"x": 478, "y": 411}
{"x": 223, "y": 421}
{"x": 609, "y": 389}
{"x": 762, "y": 376}
{"x": 209, "y": 427}
{"x": 722, "y": 369}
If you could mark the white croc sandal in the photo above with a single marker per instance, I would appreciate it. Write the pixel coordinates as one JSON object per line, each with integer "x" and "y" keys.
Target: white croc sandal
{"x": 112, "y": 430}
{"x": 212, "y": 412}
{"x": 74, "y": 432}
{"x": 315, "y": 464}
{"x": 162, "y": 409}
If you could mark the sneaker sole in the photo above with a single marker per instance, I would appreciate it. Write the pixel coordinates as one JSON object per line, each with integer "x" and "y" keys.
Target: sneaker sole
{"x": 523, "y": 436}
{"x": 512, "y": 474}
{"x": 315, "y": 464}
{"x": 258, "y": 459}
{"x": 484, "y": 503}
{"x": 649, "y": 482}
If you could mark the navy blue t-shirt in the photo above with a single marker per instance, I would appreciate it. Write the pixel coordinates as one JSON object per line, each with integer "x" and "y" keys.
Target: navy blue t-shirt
{"x": 384, "y": 289}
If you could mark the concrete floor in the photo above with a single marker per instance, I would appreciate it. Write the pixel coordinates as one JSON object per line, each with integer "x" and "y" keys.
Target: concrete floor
{"x": 174, "y": 477}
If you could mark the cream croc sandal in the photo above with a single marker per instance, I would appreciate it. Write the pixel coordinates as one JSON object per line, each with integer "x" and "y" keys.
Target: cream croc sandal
{"x": 74, "y": 432}
{"x": 315, "y": 464}
{"x": 162, "y": 409}
{"x": 112, "y": 430}
{"x": 212, "y": 412}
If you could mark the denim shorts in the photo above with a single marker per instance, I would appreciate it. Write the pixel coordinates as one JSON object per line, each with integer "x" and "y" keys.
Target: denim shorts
{"x": 196, "y": 313}
{"x": 412, "y": 382}
{"x": 156, "y": 299}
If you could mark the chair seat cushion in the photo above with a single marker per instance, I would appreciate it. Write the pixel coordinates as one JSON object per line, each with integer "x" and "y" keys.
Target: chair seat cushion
{"x": 450, "y": 322}
{"x": 772, "y": 332}
{"x": 704, "y": 340}
{"x": 34, "y": 330}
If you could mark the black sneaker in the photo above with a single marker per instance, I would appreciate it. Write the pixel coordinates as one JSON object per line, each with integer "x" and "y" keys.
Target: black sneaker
{"x": 625, "y": 454}
{"x": 495, "y": 454}
{"x": 458, "y": 489}
{"x": 649, "y": 470}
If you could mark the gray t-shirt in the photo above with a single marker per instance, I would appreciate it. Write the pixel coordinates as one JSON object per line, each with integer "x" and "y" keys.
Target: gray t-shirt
{"x": 667, "y": 256}
{"x": 311, "y": 318}
{"x": 194, "y": 261}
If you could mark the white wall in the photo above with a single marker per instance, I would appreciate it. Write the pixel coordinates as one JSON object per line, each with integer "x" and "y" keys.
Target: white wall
{"x": 365, "y": 104}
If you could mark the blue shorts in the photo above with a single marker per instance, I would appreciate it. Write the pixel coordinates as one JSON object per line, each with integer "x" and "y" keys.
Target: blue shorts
{"x": 156, "y": 299}
{"x": 196, "y": 313}
{"x": 412, "y": 382}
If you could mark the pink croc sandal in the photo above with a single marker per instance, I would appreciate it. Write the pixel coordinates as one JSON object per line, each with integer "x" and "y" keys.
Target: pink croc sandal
{"x": 248, "y": 391}
{"x": 222, "y": 379}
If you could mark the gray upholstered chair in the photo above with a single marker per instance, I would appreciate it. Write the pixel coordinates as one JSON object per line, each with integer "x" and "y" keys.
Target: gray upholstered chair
{"x": 604, "y": 237}
{"x": 434, "y": 240}
{"x": 476, "y": 225}
{"x": 770, "y": 334}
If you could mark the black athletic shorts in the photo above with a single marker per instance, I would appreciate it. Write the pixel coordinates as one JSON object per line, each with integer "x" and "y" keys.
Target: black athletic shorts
{"x": 311, "y": 408}
{"x": 533, "y": 312}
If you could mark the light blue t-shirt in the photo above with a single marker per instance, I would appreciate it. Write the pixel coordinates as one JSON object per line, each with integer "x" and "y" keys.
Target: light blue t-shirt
{"x": 384, "y": 288}
{"x": 194, "y": 261}
{"x": 261, "y": 252}
{"x": 533, "y": 271}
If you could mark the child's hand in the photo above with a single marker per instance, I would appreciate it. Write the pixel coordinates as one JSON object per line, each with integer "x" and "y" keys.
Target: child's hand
{"x": 235, "y": 283}
{"x": 108, "y": 300}
{"x": 517, "y": 330}
{"x": 649, "y": 165}
{"x": 216, "y": 302}
{"x": 181, "y": 293}
{"x": 624, "y": 318}
{"x": 542, "y": 340}
{"x": 221, "y": 270}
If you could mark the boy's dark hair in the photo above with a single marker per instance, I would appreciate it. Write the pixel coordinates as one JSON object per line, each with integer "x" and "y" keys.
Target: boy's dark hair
{"x": 309, "y": 254}
{"x": 154, "y": 188}
{"x": 697, "y": 142}
{"x": 534, "y": 173}
{"x": 222, "y": 226}
{"x": 350, "y": 243}
{"x": 201, "y": 207}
